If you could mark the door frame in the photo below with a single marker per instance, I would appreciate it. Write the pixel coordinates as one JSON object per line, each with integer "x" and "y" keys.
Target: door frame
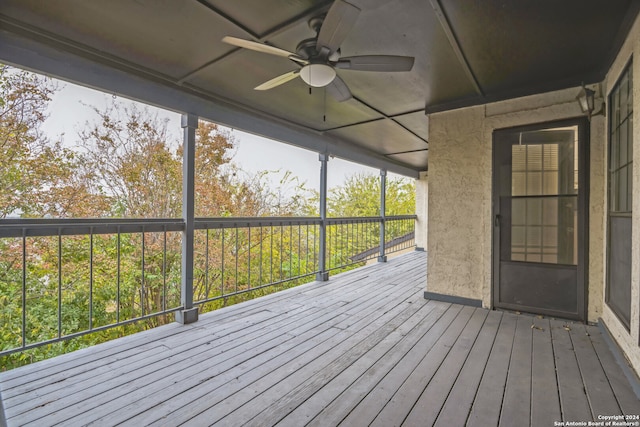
{"x": 583, "y": 217}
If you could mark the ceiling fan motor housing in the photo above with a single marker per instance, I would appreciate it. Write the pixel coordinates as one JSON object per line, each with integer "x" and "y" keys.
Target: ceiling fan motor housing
{"x": 307, "y": 48}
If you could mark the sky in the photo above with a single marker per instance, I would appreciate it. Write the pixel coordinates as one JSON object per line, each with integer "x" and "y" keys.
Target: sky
{"x": 69, "y": 111}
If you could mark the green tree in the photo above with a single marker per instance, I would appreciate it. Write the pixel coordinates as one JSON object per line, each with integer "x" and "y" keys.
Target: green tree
{"x": 360, "y": 196}
{"x": 129, "y": 153}
{"x": 38, "y": 177}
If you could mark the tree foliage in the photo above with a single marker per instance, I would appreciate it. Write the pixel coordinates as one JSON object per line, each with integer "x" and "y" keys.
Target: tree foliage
{"x": 37, "y": 176}
{"x": 128, "y": 153}
{"x": 128, "y": 165}
{"x": 360, "y": 196}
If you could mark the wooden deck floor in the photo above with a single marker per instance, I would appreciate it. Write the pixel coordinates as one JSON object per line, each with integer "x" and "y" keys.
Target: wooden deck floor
{"x": 364, "y": 348}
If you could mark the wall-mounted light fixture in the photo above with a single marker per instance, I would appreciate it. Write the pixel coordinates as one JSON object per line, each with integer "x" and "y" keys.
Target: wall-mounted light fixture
{"x": 587, "y": 100}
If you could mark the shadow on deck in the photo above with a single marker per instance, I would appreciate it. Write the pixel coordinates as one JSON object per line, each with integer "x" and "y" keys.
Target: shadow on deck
{"x": 364, "y": 348}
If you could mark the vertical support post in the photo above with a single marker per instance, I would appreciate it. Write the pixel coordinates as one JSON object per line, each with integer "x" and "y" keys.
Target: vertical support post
{"x": 422, "y": 211}
{"x": 189, "y": 313}
{"x": 383, "y": 213}
{"x": 323, "y": 274}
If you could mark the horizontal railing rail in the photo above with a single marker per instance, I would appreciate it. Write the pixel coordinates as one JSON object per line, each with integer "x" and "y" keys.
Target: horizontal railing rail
{"x": 65, "y": 278}
{"x": 352, "y": 220}
{"x": 232, "y": 222}
{"x": 67, "y": 227}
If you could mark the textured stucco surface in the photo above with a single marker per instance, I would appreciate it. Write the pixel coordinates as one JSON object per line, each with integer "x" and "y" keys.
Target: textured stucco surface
{"x": 460, "y": 223}
{"x": 422, "y": 210}
{"x": 597, "y": 218}
{"x": 459, "y": 162}
{"x": 628, "y": 340}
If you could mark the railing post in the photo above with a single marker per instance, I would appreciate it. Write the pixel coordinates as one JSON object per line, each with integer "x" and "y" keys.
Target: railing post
{"x": 383, "y": 213}
{"x": 189, "y": 313}
{"x": 323, "y": 274}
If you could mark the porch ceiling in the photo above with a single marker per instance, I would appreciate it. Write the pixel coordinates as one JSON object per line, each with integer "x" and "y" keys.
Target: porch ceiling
{"x": 466, "y": 52}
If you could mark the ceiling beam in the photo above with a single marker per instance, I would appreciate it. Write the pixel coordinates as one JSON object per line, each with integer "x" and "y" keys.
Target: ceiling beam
{"x": 228, "y": 18}
{"x": 455, "y": 44}
{"x": 387, "y": 117}
{"x": 407, "y": 152}
{"x": 383, "y": 117}
{"x": 591, "y": 78}
{"x": 621, "y": 36}
{"x": 46, "y": 38}
{"x": 31, "y": 52}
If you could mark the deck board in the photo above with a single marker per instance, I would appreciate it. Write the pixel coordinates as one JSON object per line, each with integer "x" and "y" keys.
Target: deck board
{"x": 599, "y": 392}
{"x": 435, "y": 394}
{"x": 489, "y": 395}
{"x": 545, "y": 401}
{"x": 363, "y": 348}
{"x": 407, "y": 396}
{"x": 320, "y": 330}
{"x": 301, "y": 385}
{"x": 435, "y": 344}
{"x": 516, "y": 406}
{"x": 347, "y": 345}
{"x": 458, "y": 404}
{"x": 358, "y": 380}
{"x": 374, "y": 388}
{"x": 625, "y": 396}
{"x": 573, "y": 399}
{"x": 229, "y": 396}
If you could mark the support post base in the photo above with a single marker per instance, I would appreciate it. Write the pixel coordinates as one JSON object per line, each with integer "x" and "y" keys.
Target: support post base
{"x": 382, "y": 258}
{"x": 187, "y": 316}
{"x": 322, "y": 277}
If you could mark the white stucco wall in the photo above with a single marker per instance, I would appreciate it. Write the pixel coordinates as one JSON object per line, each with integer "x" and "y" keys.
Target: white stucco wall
{"x": 459, "y": 204}
{"x": 460, "y": 223}
{"x": 628, "y": 340}
{"x": 422, "y": 210}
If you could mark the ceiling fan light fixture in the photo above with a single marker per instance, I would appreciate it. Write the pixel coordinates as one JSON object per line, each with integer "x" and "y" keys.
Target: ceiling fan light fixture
{"x": 317, "y": 75}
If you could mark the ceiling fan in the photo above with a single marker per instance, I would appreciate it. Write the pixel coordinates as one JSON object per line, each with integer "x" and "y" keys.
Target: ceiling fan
{"x": 319, "y": 57}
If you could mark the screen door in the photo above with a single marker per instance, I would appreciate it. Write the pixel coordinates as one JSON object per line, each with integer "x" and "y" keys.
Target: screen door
{"x": 539, "y": 219}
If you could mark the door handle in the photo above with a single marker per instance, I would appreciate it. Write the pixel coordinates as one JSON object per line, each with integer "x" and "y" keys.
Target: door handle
{"x": 496, "y": 221}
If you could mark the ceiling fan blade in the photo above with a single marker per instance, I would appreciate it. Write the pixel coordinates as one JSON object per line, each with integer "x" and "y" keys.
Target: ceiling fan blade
{"x": 387, "y": 63}
{"x": 338, "y": 90}
{"x": 337, "y": 24}
{"x": 277, "y": 81}
{"x": 261, "y": 47}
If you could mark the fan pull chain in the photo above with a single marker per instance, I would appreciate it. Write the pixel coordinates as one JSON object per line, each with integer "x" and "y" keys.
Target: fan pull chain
{"x": 324, "y": 106}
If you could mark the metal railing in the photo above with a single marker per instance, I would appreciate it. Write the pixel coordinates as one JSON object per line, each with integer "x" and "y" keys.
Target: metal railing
{"x": 84, "y": 276}
{"x": 61, "y": 279}
{"x": 400, "y": 233}
{"x": 240, "y": 255}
